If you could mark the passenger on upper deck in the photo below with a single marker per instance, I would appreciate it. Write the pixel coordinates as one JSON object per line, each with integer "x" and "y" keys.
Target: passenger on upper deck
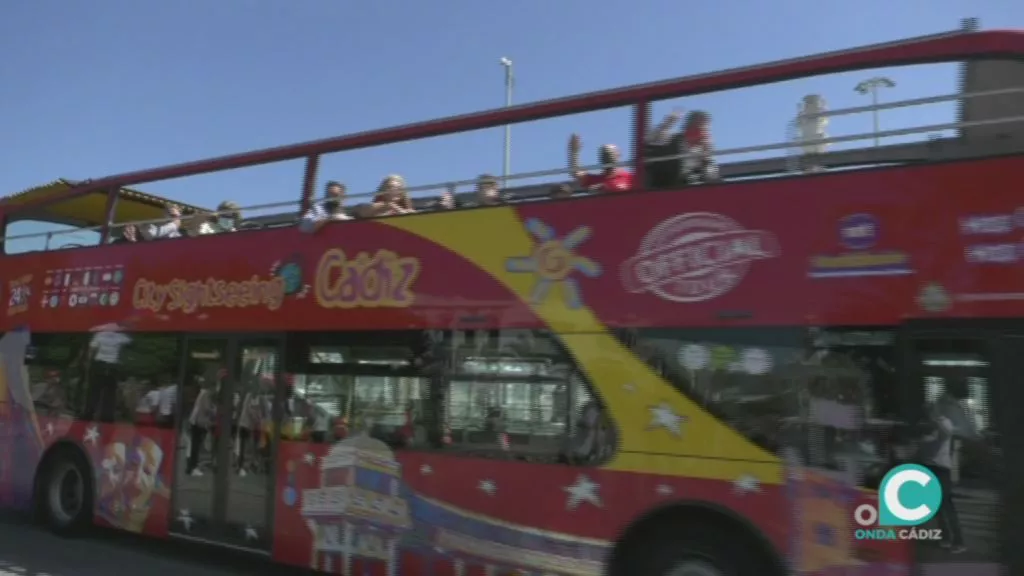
{"x": 172, "y": 229}
{"x": 447, "y": 201}
{"x": 330, "y": 208}
{"x": 228, "y": 216}
{"x": 560, "y": 191}
{"x": 488, "y": 191}
{"x": 391, "y": 199}
{"x": 198, "y": 224}
{"x": 700, "y": 165}
{"x": 693, "y": 140}
{"x": 610, "y": 179}
{"x": 129, "y": 234}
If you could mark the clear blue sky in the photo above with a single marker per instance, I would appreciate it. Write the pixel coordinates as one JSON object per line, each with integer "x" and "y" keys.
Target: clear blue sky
{"x": 88, "y": 89}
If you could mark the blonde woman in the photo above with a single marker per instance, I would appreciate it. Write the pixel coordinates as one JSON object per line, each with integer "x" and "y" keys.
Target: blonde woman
{"x": 391, "y": 199}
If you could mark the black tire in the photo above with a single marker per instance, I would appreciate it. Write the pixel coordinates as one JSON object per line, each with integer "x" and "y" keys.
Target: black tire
{"x": 691, "y": 550}
{"x": 65, "y": 493}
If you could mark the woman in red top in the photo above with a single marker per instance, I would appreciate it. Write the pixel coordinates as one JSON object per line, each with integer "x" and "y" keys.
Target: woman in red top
{"x": 611, "y": 178}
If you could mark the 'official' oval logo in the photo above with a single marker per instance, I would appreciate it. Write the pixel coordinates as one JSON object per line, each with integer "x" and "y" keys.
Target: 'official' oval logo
{"x": 695, "y": 257}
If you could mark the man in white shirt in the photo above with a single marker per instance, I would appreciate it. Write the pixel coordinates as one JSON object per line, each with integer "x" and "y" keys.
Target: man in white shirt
{"x": 950, "y": 422}
{"x": 171, "y": 229}
{"x": 102, "y": 362}
{"x": 326, "y": 210}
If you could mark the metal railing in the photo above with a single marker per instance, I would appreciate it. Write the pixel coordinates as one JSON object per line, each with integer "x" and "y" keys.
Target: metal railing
{"x": 788, "y": 145}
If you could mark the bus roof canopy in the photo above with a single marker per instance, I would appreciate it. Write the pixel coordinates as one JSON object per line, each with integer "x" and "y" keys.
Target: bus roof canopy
{"x": 88, "y": 210}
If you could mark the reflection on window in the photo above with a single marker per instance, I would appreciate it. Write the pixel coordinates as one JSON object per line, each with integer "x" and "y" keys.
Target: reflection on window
{"x": 828, "y": 394}
{"x": 108, "y": 375}
{"x": 362, "y": 397}
{"x": 976, "y": 404}
{"x": 511, "y": 392}
{"x": 517, "y": 393}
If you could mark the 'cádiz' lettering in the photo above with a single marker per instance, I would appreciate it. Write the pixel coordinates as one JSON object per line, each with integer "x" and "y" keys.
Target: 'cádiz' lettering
{"x": 384, "y": 280}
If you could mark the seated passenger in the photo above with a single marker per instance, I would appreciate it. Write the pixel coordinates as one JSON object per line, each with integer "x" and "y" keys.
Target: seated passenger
{"x": 171, "y": 229}
{"x": 447, "y": 200}
{"x": 661, "y": 143}
{"x": 198, "y": 224}
{"x": 609, "y": 179}
{"x": 129, "y": 235}
{"x": 699, "y": 166}
{"x": 391, "y": 199}
{"x": 488, "y": 191}
{"x": 694, "y": 141}
{"x": 228, "y": 216}
{"x": 560, "y": 191}
{"x": 323, "y": 211}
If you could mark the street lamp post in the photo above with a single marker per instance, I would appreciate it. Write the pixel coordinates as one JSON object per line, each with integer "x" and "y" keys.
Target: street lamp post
{"x": 871, "y": 86}
{"x": 507, "y": 162}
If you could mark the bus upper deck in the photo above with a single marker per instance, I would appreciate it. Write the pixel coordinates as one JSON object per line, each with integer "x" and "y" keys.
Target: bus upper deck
{"x": 989, "y": 118}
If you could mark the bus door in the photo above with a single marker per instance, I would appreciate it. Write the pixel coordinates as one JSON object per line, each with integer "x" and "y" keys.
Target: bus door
{"x": 223, "y": 490}
{"x": 973, "y": 378}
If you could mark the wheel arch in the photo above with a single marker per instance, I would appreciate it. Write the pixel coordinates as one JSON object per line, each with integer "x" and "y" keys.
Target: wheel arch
{"x": 653, "y": 521}
{"x": 62, "y": 446}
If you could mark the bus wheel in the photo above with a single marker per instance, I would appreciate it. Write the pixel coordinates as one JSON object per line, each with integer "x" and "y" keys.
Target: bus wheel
{"x": 66, "y": 495}
{"x": 693, "y": 558}
{"x": 690, "y": 542}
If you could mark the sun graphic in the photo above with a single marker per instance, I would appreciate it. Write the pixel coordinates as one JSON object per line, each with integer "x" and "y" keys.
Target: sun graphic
{"x": 553, "y": 262}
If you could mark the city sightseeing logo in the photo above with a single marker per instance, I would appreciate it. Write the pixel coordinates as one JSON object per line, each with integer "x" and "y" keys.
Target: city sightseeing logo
{"x": 909, "y": 496}
{"x": 695, "y": 257}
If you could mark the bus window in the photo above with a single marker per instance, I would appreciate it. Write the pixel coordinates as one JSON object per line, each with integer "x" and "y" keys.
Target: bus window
{"x": 828, "y": 394}
{"x": 515, "y": 393}
{"x": 489, "y": 393}
{"x": 346, "y": 384}
{"x": 106, "y": 375}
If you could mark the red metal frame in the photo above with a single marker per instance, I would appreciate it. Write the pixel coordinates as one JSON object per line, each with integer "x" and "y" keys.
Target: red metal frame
{"x": 940, "y": 48}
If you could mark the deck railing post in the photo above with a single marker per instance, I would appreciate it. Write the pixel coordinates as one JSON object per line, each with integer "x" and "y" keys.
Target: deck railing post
{"x": 641, "y": 120}
{"x": 110, "y": 214}
{"x": 309, "y": 182}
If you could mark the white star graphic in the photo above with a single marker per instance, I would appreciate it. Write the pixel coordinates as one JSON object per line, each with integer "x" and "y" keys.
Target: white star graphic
{"x": 583, "y": 490}
{"x": 629, "y": 387}
{"x": 186, "y": 519}
{"x": 250, "y": 533}
{"x": 488, "y": 487}
{"x": 663, "y": 416}
{"x": 664, "y": 490}
{"x": 309, "y": 458}
{"x": 91, "y": 435}
{"x": 49, "y": 428}
{"x": 746, "y": 484}
{"x": 426, "y": 470}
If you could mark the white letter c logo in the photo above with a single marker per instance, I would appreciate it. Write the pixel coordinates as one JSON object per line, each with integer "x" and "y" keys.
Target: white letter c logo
{"x": 892, "y": 495}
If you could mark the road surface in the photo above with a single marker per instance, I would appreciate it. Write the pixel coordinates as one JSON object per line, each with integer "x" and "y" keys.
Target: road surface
{"x": 27, "y": 550}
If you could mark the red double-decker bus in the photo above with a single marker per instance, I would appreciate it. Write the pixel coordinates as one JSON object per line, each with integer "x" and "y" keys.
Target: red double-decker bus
{"x": 688, "y": 367}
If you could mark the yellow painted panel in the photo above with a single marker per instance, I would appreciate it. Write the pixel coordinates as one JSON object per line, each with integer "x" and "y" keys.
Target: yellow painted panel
{"x": 767, "y": 473}
{"x": 650, "y": 415}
